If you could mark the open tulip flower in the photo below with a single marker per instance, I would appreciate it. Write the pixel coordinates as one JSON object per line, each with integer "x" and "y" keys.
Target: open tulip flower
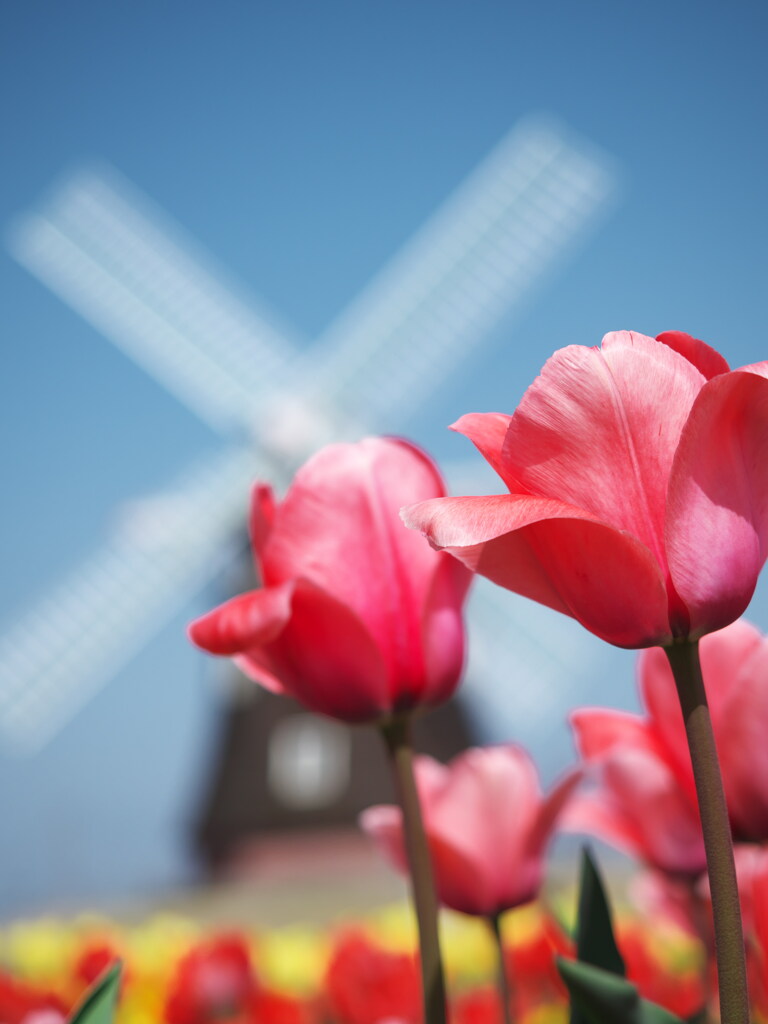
{"x": 357, "y": 618}
{"x": 637, "y": 484}
{"x": 488, "y": 826}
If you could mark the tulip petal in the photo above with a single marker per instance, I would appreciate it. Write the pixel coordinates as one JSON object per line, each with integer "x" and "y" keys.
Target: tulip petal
{"x": 598, "y": 430}
{"x": 639, "y": 808}
{"x": 461, "y": 882}
{"x": 442, "y": 627}
{"x": 328, "y": 660}
{"x": 338, "y": 528}
{"x": 598, "y": 731}
{"x": 263, "y": 509}
{"x": 468, "y": 815}
{"x": 486, "y": 431}
{"x": 717, "y": 519}
{"x": 556, "y": 555}
{"x": 722, "y": 655}
{"x": 551, "y": 811}
{"x": 705, "y": 358}
{"x": 740, "y": 731}
{"x": 249, "y": 620}
{"x": 384, "y": 824}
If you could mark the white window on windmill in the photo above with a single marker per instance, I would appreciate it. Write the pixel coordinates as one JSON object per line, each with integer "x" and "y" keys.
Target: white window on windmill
{"x": 308, "y": 764}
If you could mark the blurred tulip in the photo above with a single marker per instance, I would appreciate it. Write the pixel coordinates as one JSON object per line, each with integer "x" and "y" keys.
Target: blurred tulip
{"x": 488, "y": 827}
{"x": 734, "y": 663}
{"x": 660, "y": 977}
{"x": 638, "y": 490}
{"x": 638, "y": 803}
{"x": 368, "y": 985}
{"x": 21, "y": 1003}
{"x": 645, "y": 799}
{"x": 213, "y": 980}
{"x": 357, "y": 618}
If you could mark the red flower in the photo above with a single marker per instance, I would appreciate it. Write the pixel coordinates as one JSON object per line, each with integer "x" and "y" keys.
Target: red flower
{"x": 213, "y": 981}
{"x": 23, "y": 1004}
{"x": 638, "y": 490}
{"x": 487, "y": 823}
{"x": 367, "y": 985}
{"x": 645, "y": 801}
{"x": 357, "y": 617}
{"x": 678, "y": 989}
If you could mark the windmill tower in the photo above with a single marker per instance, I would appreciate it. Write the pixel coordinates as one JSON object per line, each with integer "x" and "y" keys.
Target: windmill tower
{"x": 104, "y": 251}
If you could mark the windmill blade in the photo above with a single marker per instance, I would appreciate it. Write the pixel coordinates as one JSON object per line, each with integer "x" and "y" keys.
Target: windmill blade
{"x": 107, "y": 253}
{"x": 103, "y": 249}
{"x": 471, "y": 264}
{"x": 54, "y": 659}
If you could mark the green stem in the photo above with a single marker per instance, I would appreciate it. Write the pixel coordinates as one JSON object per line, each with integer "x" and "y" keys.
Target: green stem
{"x": 505, "y": 989}
{"x": 397, "y": 738}
{"x": 729, "y": 937}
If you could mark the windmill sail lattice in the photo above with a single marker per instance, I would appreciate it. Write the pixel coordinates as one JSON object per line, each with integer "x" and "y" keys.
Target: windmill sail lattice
{"x": 107, "y": 253}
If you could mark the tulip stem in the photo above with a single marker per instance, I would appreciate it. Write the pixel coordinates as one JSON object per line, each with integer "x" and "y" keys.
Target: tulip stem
{"x": 397, "y": 738}
{"x": 505, "y": 989}
{"x": 729, "y": 937}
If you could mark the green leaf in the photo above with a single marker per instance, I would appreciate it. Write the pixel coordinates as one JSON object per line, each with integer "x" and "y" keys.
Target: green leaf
{"x": 602, "y": 997}
{"x": 99, "y": 1003}
{"x": 595, "y": 942}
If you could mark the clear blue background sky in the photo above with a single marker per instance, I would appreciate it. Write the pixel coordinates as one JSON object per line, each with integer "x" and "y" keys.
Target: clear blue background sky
{"x": 302, "y": 144}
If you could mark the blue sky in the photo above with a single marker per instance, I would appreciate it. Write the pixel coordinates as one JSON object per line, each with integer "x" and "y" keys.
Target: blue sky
{"x": 302, "y": 144}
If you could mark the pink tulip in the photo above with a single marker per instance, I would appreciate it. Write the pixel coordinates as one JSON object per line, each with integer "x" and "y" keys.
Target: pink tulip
{"x": 487, "y": 823}
{"x": 734, "y": 663}
{"x": 357, "y": 618}
{"x": 638, "y": 804}
{"x": 637, "y": 490}
{"x": 645, "y": 802}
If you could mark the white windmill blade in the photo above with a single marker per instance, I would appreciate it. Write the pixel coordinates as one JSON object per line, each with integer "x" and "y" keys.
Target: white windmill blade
{"x": 100, "y": 245}
{"x": 473, "y": 262}
{"x": 125, "y": 268}
{"x": 58, "y": 655}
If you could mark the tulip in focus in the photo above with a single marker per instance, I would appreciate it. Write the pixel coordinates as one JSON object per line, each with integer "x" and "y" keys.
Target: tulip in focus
{"x": 637, "y": 485}
{"x": 357, "y": 618}
{"x": 645, "y": 799}
{"x": 488, "y": 827}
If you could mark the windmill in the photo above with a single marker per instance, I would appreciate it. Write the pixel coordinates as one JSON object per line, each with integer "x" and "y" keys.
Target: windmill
{"x": 103, "y": 249}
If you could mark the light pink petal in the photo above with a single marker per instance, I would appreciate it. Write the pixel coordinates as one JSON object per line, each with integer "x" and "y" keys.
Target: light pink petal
{"x": 722, "y": 656}
{"x": 486, "y": 430}
{"x": 648, "y": 793}
{"x": 717, "y": 532}
{"x": 328, "y": 660}
{"x": 741, "y": 731}
{"x": 249, "y": 620}
{"x": 598, "y": 731}
{"x": 596, "y": 813}
{"x": 705, "y": 358}
{"x": 551, "y": 812}
{"x": 486, "y": 812}
{"x": 459, "y": 882}
{"x": 384, "y": 824}
{"x": 549, "y": 551}
{"x": 443, "y": 633}
{"x": 598, "y": 430}
{"x": 338, "y": 527}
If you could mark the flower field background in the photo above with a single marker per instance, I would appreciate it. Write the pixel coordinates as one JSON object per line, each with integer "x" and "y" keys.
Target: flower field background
{"x": 355, "y": 971}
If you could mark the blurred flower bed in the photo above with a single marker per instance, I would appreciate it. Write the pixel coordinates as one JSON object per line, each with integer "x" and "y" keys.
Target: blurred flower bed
{"x": 360, "y": 972}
